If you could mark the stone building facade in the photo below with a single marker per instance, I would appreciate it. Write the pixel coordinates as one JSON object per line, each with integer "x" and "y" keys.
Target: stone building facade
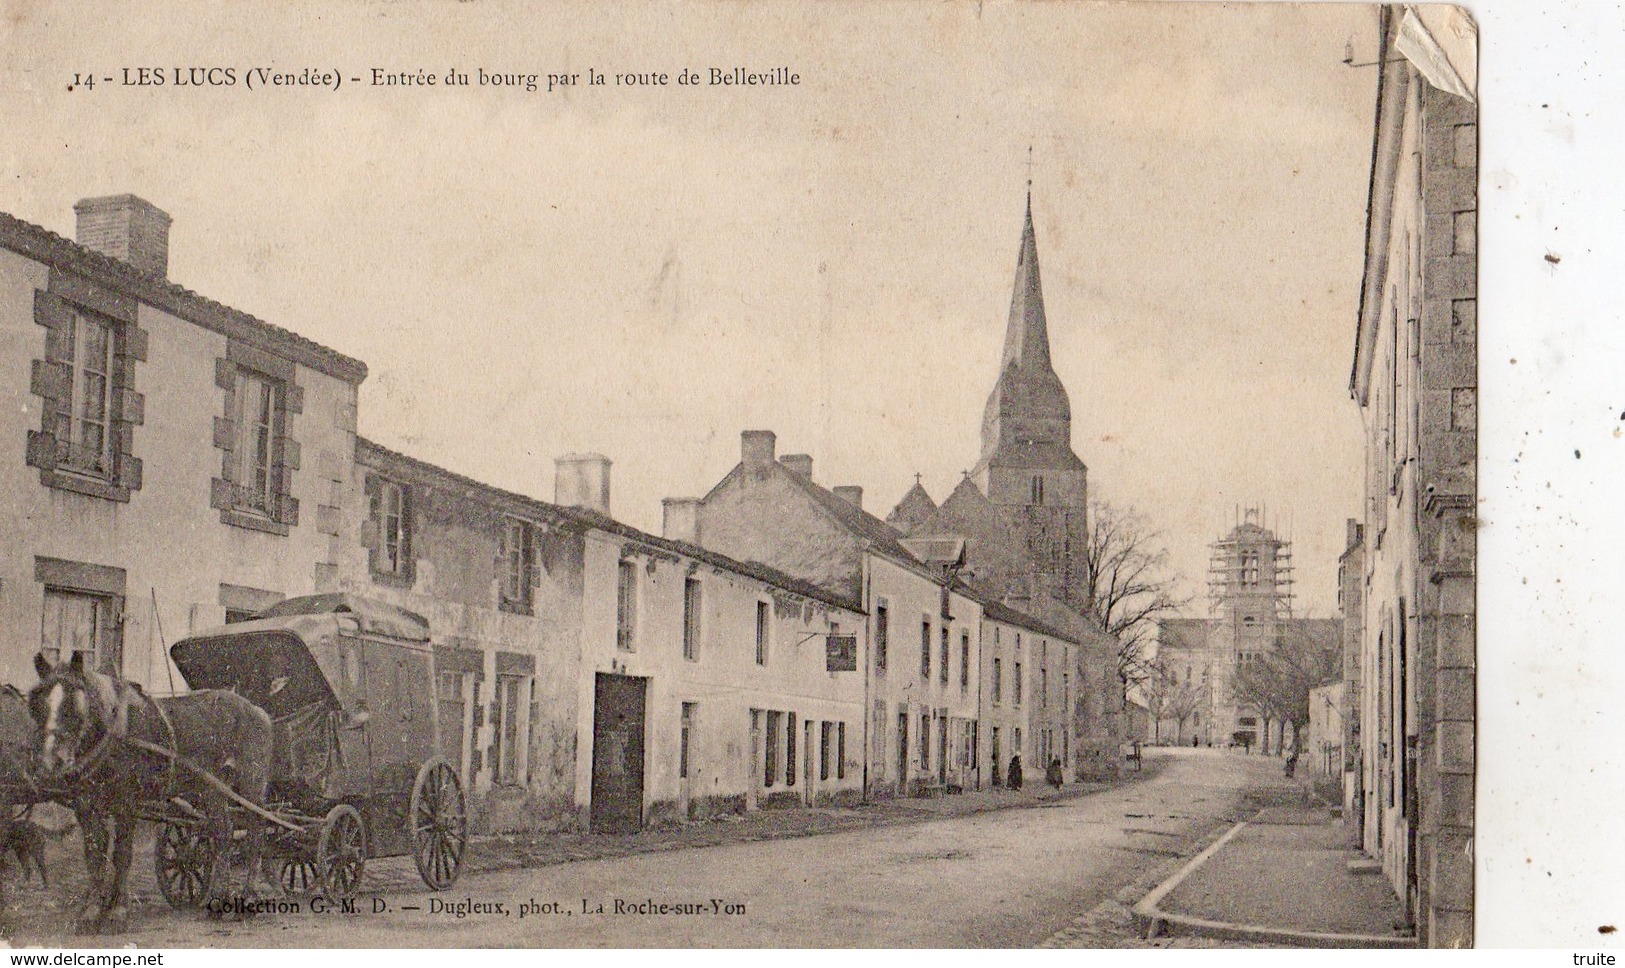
{"x": 729, "y": 665}
{"x": 923, "y": 624}
{"x": 1351, "y": 606}
{"x": 499, "y": 577}
{"x": 591, "y": 674}
{"x": 174, "y": 463}
{"x": 1414, "y": 379}
{"x": 1028, "y": 693}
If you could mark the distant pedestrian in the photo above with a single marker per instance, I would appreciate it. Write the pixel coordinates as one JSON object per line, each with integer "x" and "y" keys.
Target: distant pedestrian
{"x": 1052, "y": 775}
{"x": 1015, "y": 772}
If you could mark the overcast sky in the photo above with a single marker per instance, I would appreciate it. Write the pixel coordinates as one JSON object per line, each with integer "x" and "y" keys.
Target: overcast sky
{"x": 646, "y": 272}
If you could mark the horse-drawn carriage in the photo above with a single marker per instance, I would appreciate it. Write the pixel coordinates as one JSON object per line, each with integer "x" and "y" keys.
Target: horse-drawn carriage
{"x": 349, "y": 686}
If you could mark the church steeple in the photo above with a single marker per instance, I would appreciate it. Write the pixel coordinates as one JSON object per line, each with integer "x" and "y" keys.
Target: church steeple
{"x": 1028, "y": 407}
{"x": 1028, "y": 469}
{"x": 1026, "y": 341}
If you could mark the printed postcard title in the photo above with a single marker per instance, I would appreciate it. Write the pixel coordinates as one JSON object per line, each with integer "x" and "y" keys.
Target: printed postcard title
{"x": 379, "y": 78}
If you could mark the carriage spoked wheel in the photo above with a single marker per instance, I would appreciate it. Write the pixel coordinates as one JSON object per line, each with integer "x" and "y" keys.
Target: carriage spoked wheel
{"x": 300, "y": 876}
{"x": 183, "y": 861}
{"x": 438, "y": 822}
{"x": 341, "y": 854}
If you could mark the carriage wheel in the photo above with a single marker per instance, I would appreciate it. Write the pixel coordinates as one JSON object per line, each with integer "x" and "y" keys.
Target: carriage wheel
{"x": 183, "y": 861}
{"x": 438, "y": 824}
{"x": 341, "y": 855}
{"x": 299, "y": 876}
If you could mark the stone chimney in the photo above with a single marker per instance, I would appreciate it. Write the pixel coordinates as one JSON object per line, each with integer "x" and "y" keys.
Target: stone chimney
{"x": 851, "y": 494}
{"x": 127, "y": 228}
{"x": 582, "y": 481}
{"x": 757, "y": 447}
{"x": 798, "y": 464}
{"x": 680, "y": 519}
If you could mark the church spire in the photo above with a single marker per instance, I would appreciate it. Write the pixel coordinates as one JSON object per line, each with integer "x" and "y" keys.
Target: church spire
{"x": 1026, "y": 339}
{"x": 1028, "y": 405}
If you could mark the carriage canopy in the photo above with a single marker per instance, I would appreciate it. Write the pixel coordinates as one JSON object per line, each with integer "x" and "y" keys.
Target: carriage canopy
{"x": 302, "y": 652}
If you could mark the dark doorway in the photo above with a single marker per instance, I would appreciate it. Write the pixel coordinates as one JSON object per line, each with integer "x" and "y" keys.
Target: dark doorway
{"x": 902, "y": 752}
{"x": 617, "y": 754}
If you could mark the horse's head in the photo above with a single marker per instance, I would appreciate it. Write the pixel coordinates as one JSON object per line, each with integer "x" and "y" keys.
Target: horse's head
{"x": 74, "y": 709}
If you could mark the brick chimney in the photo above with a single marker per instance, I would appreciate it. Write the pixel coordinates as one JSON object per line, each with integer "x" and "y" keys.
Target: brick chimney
{"x": 582, "y": 481}
{"x": 798, "y": 464}
{"x": 756, "y": 447}
{"x": 850, "y": 493}
{"x": 127, "y": 228}
{"x": 680, "y": 519}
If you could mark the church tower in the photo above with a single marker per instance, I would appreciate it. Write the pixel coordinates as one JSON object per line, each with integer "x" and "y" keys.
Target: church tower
{"x": 1028, "y": 468}
{"x": 1250, "y": 618}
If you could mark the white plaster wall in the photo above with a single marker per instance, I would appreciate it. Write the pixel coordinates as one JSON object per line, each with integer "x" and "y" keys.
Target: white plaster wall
{"x": 170, "y": 542}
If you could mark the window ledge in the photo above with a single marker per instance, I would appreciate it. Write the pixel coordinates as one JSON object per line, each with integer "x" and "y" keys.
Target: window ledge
{"x": 89, "y": 486}
{"x": 391, "y": 579}
{"x": 252, "y": 522}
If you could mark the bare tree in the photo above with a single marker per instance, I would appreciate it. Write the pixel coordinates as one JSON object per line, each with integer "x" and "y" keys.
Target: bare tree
{"x": 1129, "y": 587}
{"x": 1168, "y": 698}
{"x": 1277, "y": 683}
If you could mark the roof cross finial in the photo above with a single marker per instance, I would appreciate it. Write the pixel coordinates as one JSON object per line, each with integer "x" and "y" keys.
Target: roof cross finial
{"x": 1029, "y": 176}
{"x": 916, "y": 477}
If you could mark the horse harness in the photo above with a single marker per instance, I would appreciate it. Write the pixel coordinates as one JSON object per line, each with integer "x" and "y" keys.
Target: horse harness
{"x": 115, "y": 732}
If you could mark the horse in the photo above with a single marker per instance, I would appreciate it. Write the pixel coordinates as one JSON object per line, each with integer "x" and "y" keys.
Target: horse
{"x": 19, "y": 791}
{"x": 95, "y": 739}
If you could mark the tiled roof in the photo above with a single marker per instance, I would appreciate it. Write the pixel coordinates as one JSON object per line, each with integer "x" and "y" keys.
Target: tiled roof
{"x": 43, "y": 245}
{"x": 915, "y": 507}
{"x": 860, "y": 523}
{"x": 1000, "y": 612}
{"x": 372, "y": 454}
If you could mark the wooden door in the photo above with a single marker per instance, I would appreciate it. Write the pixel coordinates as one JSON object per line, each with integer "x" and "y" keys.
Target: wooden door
{"x": 617, "y": 753}
{"x": 902, "y": 752}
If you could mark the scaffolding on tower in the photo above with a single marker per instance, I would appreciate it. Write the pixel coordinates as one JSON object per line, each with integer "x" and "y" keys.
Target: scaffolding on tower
{"x": 1250, "y": 565}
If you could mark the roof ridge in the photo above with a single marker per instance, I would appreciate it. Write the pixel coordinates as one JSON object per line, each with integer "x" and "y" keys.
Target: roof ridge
{"x": 588, "y": 518}
{"x": 127, "y": 273}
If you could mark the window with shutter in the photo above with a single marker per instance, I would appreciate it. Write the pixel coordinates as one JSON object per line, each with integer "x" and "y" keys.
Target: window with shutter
{"x": 626, "y": 604}
{"x": 82, "y": 612}
{"x": 964, "y": 661}
{"x": 389, "y": 521}
{"x": 691, "y": 619}
{"x": 258, "y": 453}
{"x": 763, "y": 629}
{"x": 85, "y": 380}
{"x": 518, "y": 553}
{"x": 882, "y": 631}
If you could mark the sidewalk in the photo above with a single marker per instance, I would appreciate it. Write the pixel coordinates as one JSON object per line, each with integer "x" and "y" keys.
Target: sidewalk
{"x": 1280, "y": 878}
{"x": 1277, "y": 878}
